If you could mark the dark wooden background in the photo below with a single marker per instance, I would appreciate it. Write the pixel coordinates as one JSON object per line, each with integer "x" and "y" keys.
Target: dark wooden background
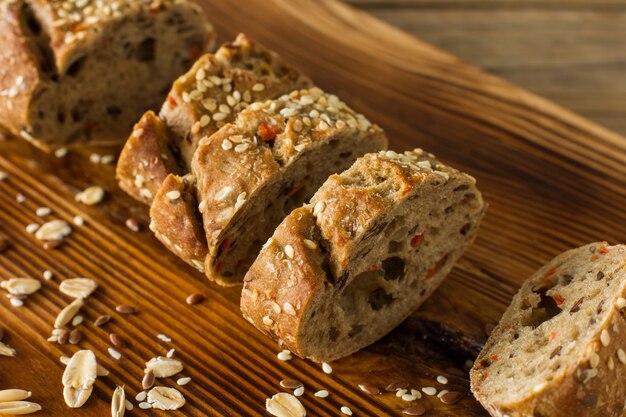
{"x": 570, "y": 51}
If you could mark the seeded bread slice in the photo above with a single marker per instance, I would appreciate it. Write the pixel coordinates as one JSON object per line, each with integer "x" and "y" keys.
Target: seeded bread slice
{"x": 85, "y": 71}
{"x": 271, "y": 159}
{"x": 559, "y": 348}
{"x": 372, "y": 245}
{"x": 207, "y": 97}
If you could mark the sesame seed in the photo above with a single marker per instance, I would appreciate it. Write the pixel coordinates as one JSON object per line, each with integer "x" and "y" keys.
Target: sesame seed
{"x": 610, "y": 363}
{"x": 594, "y": 360}
{"x": 141, "y": 396}
{"x": 164, "y": 338}
{"x": 231, "y": 101}
{"x": 125, "y": 309}
{"x": 408, "y": 397}
{"x": 310, "y": 244}
{"x": 224, "y": 108}
{"x": 267, "y": 321}
{"x": 219, "y": 116}
{"x": 442, "y": 379}
{"x": 346, "y": 410}
{"x": 416, "y": 394}
{"x": 318, "y": 208}
{"x": 200, "y": 74}
{"x": 60, "y": 153}
{"x": 32, "y": 228}
{"x": 77, "y": 320}
{"x": 242, "y": 147}
{"x": 48, "y": 275}
{"x": 183, "y": 381}
{"x": 620, "y": 303}
{"x": 170, "y": 353}
{"x": 205, "y": 120}
{"x": 16, "y": 302}
{"x": 442, "y": 393}
{"x": 132, "y": 224}
{"x": 129, "y": 406}
{"x": 327, "y": 368}
{"x": 20, "y": 198}
{"x": 429, "y": 390}
{"x": 284, "y": 355}
{"x": 288, "y": 308}
{"x": 321, "y": 393}
{"x": 43, "y": 211}
{"x": 605, "y": 338}
{"x": 298, "y": 391}
{"x": 400, "y": 392}
{"x": 78, "y": 220}
{"x": 621, "y": 356}
{"x": 226, "y": 144}
{"x": 258, "y": 87}
{"x": 144, "y": 405}
{"x": 138, "y": 132}
{"x": 322, "y": 125}
{"x": 289, "y": 251}
{"x": 114, "y": 354}
{"x": 94, "y": 158}
{"x": 173, "y": 195}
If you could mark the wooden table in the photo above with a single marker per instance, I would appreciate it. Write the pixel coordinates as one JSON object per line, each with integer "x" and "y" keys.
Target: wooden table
{"x": 570, "y": 51}
{"x": 553, "y": 181}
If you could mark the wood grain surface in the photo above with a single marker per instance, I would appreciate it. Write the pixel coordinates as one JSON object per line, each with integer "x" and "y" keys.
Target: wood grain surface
{"x": 570, "y": 51}
{"x": 553, "y": 181}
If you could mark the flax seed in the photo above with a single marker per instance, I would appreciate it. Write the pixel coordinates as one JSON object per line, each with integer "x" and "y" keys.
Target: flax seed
{"x": 125, "y": 309}
{"x": 102, "y": 320}
{"x": 194, "y": 298}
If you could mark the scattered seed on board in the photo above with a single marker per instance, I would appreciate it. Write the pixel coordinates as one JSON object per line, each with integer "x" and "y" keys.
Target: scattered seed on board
{"x": 284, "y": 355}
{"x": 164, "y": 338}
{"x": 170, "y": 353}
{"x": 396, "y": 386}
{"x": 369, "y": 389}
{"x": 194, "y": 298}
{"x": 321, "y": 393}
{"x": 17, "y": 302}
{"x": 20, "y": 198}
{"x": 118, "y": 402}
{"x": 145, "y": 405}
{"x": 125, "y": 309}
{"x": 63, "y": 337}
{"x": 451, "y": 397}
{"x": 77, "y": 320}
{"x": 346, "y": 410}
{"x": 148, "y": 380}
{"x": 429, "y": 390}
{"x": 298, "y": 392}
{"x": 78, "y": 221}
{"x": 327, "y": 368}
{"x": 60, "y": 153}
{"x": 416, "y": 410}
{"x": 52, "y": 244}
{"x": 6, "y": 350}
{"x": 75, "y": 336}
{"x": 289, "y": 383}
{"x": 91, "y": 196}
{"x": 32, "y": 228}
{"x": 132, "y": 224}
{"x": 114, "y": 354}
{"x": 442, "y": 379}
{"x": 183, "y": 381}
{"x": 102, "y": 320}
{"x": 116, "y": 340}
{"x": 43, "y": 211}
{"x": 48, "y": 275}
{"x": 141, "y": 396}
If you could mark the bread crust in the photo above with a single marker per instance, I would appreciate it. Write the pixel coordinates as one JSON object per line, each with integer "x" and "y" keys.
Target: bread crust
{"x": 45, "y": 42}
{"x": 197, "y": 106}
{"x": 308, "y": 265}
{"x": 587, "y": 383}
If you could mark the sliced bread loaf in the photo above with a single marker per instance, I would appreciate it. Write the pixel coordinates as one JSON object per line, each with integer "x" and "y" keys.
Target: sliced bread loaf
{"x": 372, "y": 245}
{"x": 85, "y": 71}
{"x": 271, "y": 159}
{"x": 207, "y": 97}
{"x": 558, "y": 350}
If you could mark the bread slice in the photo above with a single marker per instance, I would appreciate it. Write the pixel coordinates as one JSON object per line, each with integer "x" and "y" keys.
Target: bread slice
{"x": 175, "y": 209}
{"x": 271, "y": 159}
{"x": 207, "y": 97}
{"x": 559, "y": 348}
{"x": 373, "y": 243}
{"x": 85, "y": 71}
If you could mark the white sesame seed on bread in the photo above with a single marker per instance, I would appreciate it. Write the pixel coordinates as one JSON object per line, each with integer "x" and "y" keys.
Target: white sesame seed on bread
{"x": 211, "y": 94}
{"x": 373, "y": 243}
{"x": 558, "y": 350}
{"x": 85, "y": 70}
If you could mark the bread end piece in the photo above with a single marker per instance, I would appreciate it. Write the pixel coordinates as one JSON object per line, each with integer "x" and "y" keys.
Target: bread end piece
{"x": 559, "y": 348}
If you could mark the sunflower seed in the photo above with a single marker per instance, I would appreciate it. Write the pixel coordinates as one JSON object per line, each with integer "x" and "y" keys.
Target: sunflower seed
{"x": 91, "y": 195}
{"x": 163, "y": 367}
{"x": 164, "y": 398}
{"x": 67, "y": 314}
{"x": 78, "y": 287}
{"x": 21, "y": 286}
{"x": 285, "y": 405}
{"x": 79, "y": 377}
{"x": 118, "y": 402}
{"x": 53, "y": 230}
{"x": 18, "y": 407}
{"x": 13, "y": 395}
{"x": 6, "y": 350}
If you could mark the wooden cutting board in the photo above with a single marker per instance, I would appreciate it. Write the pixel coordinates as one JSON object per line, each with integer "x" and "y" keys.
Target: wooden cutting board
{"x": 553, "y": 181}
